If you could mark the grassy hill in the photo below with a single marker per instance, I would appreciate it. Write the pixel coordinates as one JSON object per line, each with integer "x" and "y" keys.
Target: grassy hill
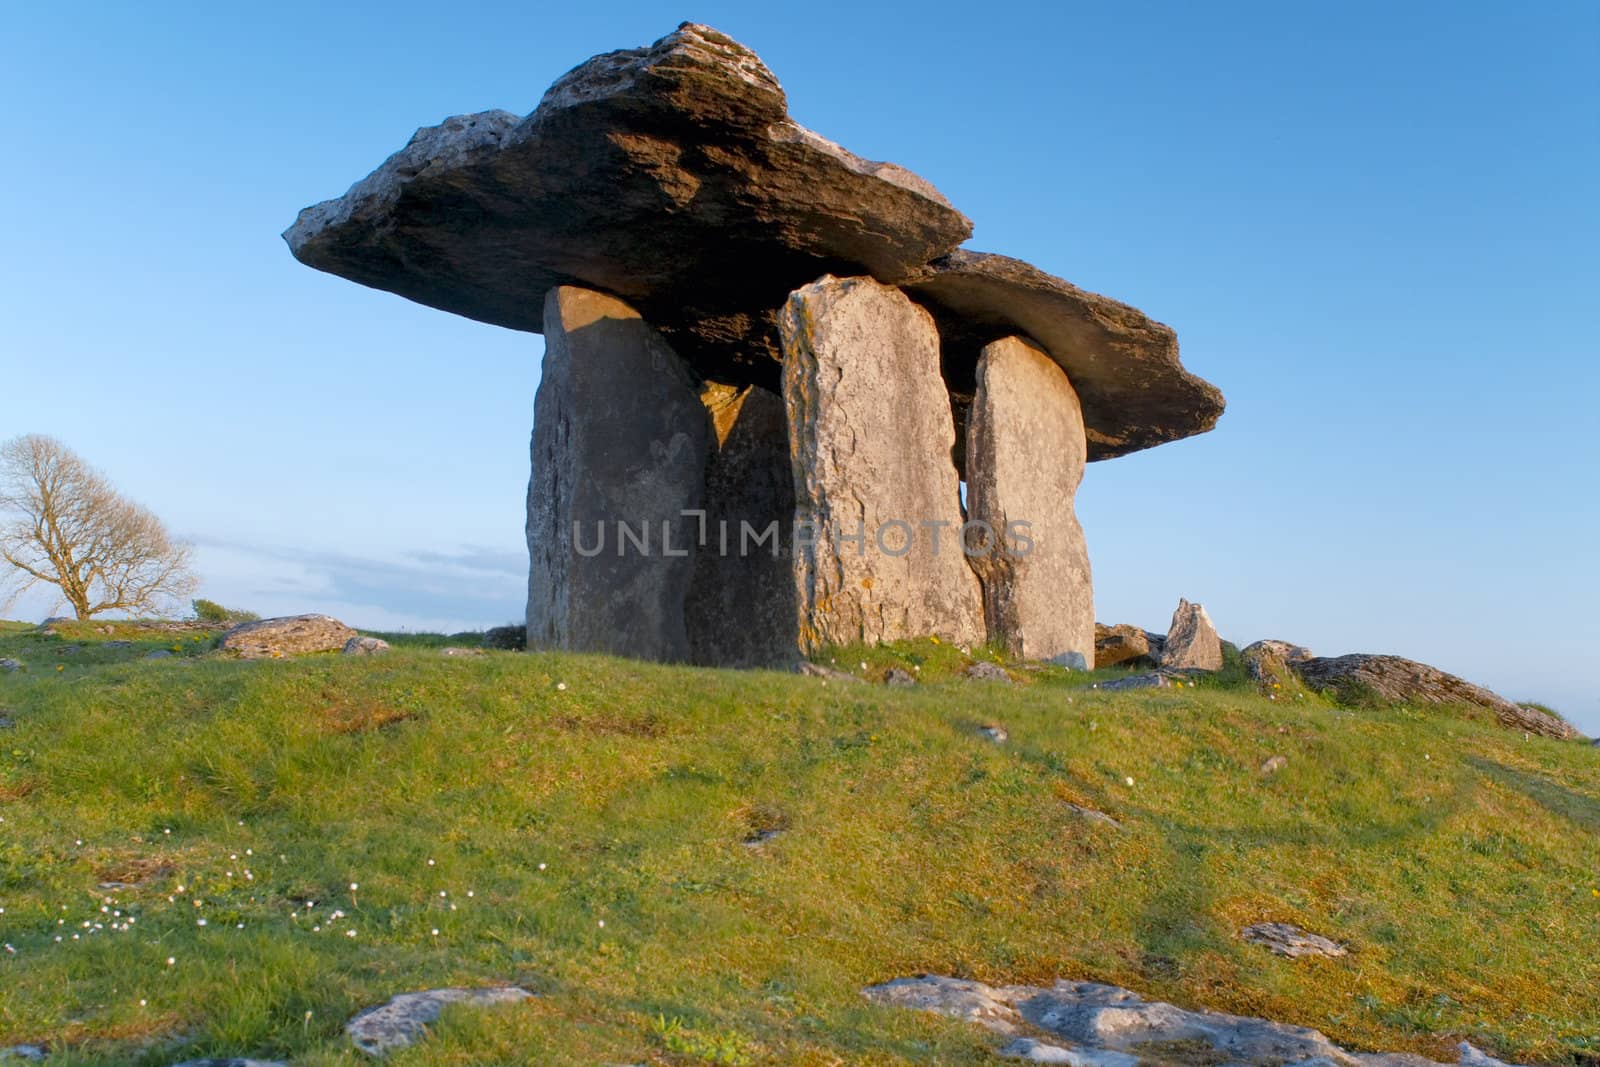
{"x": 593, "y": 829}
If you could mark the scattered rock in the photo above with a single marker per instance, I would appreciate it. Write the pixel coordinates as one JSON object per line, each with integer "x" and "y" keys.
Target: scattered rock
{"x": 404, "y": 1020}
{"x": 1192, "y": 642}
{"x": 10, "y": 665}
{"x": 1025, "y": 455}
{"x": 995, "y": 733}
{"x": 28, "y": 1053}
{"x": 6, "y": 721}
{"x": 513, "y": 638}
{"x": 984, "y": 671}
{"x": 365, "y": 646}
{"x": 293, "y": 635}
{"x": 159, "y": 653}
{"x": 1274, "y": 764}
{"x": 1119, "y": 644}
{"x": 1362, "y": 678}
{"x": 1147, "y": 680}
{"x": 670, "y": 175}
{"x": 1288, "y": 940}
{"x": 1093, "y": 815}
{"x": 1270, "y": 664}
{"x": 854, "y": 350}
{"x": 232, "y": 1061}
{"x": 1476, "y": 1057}
{"x": 1072, "y": 661}
{"x": 619, "y": 444}
{"x": 758, "y": 838}
{"x": 817, "y": 670}
{"x": 456, "y": 650}
{"x": 896, "y": 677}
{"x": 742, "y": 607}
{"x": 117, "y": 644}
{"x": 1124, "y": 366}
{"x": 1093, "y": 1025}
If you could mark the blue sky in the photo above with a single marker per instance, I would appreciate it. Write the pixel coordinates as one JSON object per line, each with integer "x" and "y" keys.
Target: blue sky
{"x": 1373, "y": 225}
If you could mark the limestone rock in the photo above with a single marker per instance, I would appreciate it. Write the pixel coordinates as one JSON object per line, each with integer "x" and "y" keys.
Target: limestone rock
{"x": 1124, "y": 366}
{"x": 1270, "y": 664}
{"x": 827, "y": 674}
{"x": 365, "y": 646}
{"x": 6, "y": 720}
{"x": 1147, "y": 680}
{"x": 870, "y": 438}
{"x": 1093, "y": 815}
{"x": 995, "y": 732}
{"x": 1093, "y": 1025}
{"x": 1361, "y": 677}
{"x": 25, "y": 1053}
{"x": 158, "y": 653}
{"x": 1025, "y": 457}
{"x": 898, "y": 678}
{"x": 506, "y": 638}
{"x": 619, "y": 451}
{"x": 740, "y": 610}
{"x": 1274, "y": 764}
{"x": 984, "y": 671}
{"x": 458, "y": 652}
{"x": 1118, "y": 644}
{"x": 1288, "y": 940}
{"x": 293, "y": 635}
{"x": 9, "y": 665}
{"x": 1192, "y": 642}
{"x": 232, "y": 1061}
{"x": 669, "y": 175}
{"x": 404, "y": 1020}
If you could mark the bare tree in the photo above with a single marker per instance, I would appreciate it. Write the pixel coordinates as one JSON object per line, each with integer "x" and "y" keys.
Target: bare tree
{"x": 62, "y": 524}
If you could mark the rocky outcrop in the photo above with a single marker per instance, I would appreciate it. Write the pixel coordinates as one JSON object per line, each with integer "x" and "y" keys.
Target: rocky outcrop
{"x": 741, "y": 609}
{"x": 1289, "y": 940}
{"x": 669, "y": 175}
{"x": 1192, "y": 643}
{"x": 1025, "y": 456}
{"x": 1270, "y": 664}
{"x": 1087, "y": 1024}
{"x": 1362, "y": 678}
{"x": 294, "y": 635}
{"x": 619, "y": 454}
{"x": 1134, "y": 391}
{"x": 405, "y": 1019}
{"x": 875, "y": 489}
{"x": 1119, "y": 644}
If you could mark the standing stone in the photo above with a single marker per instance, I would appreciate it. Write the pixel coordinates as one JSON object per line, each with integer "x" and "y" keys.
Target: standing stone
{"x": 619, "y": 452}
{"x": 870, "y": 435}
{"x": 1192, "y": 642}
{"x": 741, "y": 606}
{"x": 1025, "y": 456}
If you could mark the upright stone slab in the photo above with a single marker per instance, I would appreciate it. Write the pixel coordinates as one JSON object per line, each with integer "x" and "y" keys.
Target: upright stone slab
{"x": 1192, "y": 642}
{"x": 619, "y": 437}
{"x": 870, "y": 435}
{"x": 1025, "y": 456}
{"x": 741, "y": 606}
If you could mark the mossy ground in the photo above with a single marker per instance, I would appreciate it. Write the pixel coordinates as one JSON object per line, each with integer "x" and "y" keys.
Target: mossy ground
{"x": 515, "y": 802}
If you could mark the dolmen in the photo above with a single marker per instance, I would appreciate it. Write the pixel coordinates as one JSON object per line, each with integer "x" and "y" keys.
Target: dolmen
{"x": 780, "y": 407}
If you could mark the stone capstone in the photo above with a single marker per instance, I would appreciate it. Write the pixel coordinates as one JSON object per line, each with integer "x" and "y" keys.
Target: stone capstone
{"x": 669, "y": 175}
{"x": 870, "y": 436}
{"x": 294, "y": 635}
{"x": 619, "y": 454}
{"x": 1088, "y": 1024}
{"x": 1192, "y": 643}
{"x": 741, "y": 610}
{"x": 404, "y": 1020}
{"x": 1124, "y": 366}
{"x": 1025, "y": 459}
{"x": 1363, "y": 678}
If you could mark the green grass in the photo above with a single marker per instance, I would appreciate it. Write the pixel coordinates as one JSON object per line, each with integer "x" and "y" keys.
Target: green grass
{"x": 1459, "y": 860}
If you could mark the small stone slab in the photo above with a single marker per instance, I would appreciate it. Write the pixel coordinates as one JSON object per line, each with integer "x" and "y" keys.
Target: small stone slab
{"x": 25, "y": 1053}
{"x": 1147, "y": 680}
{"x": 1192, "y": 643}
{"x": 1288, "y": 940}
{"x": 1093, "y": 815}
{"x": 6, "y": 720}
{"x": 899, "y": 678}
{"x": 365, "y": 646}
{"x": 291, "y": 635}
{"x": 9, "y": 665}
{"x": 995, "y": 732}
{"x": 232, "y": 1061}
{"x": 1135, "y": 392}
{"x": 984, "y": 671}
{"x": 405, "y": 1019}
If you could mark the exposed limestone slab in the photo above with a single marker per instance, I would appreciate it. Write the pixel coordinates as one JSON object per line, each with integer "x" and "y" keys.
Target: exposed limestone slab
{"x": 669, "y": 175}
{"x": 1119, "y": 644}
{"x": 619, "y": 437}
{"x": 1025, "y": 458}
{"x": 1360, "y": 678}
{"x": 1289, "y": 940}
{"x": 740, "y": 610}
{"x": 1124, "y": 366}
{"x": 403, "y": 1020}
{"x": 870, "y": 437}
{"x": 292, "y": 635}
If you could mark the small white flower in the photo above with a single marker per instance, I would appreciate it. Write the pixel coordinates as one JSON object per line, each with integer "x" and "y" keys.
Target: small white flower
{"x": 171, "y": 960}
{"x": 349, "y": 933}
{"x": 354, "y": 886}
{"x": 561, "y": 687}
{"x": 430, "y": 863}
{"x": 199, "y": 922}
{"x": 1128, "y": 780}
{"x": 435, "y": 933}
{"x": 541, "y": 866}
{"x": 141, "y": 1003}
{"x": 602, "y": 923}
